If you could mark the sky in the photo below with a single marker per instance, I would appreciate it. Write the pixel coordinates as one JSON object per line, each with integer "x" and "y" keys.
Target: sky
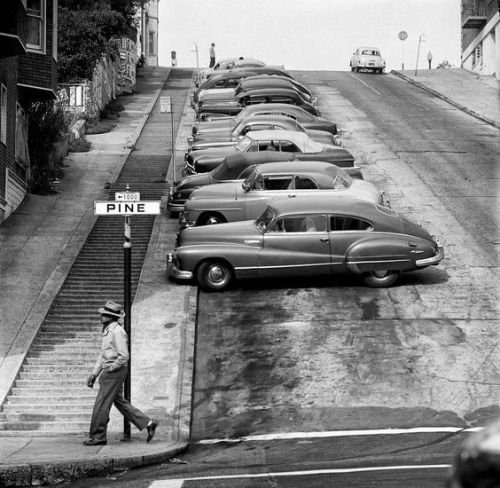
{"x": 309, "y": 34}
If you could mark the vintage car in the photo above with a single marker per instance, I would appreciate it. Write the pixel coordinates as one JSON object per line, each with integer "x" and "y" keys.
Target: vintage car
{"x": 276, "y": 122}
{"x": 268, "y": 81}
{"x": 203, "y": 74}
{"x": 235, "y": 167}
{"x": 367, "y": 58}
{"x": 246, "y": 63}
{"x": 217, "y": 101}
{"x": 305, "y": 237}
{"x": 205, "y": 160}
{"x": 225, "y": 124}
{"x": 247, "y": 199}
{"x": 275, "y": 95}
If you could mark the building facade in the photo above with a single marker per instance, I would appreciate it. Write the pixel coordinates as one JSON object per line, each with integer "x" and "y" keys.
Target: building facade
{"x": 28, "y": 73}
{"x": 148, "y": 38}
{"x": 481, "y": 36}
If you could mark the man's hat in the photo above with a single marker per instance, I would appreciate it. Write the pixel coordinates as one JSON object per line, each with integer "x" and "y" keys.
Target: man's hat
{"x": 112, "y": 308}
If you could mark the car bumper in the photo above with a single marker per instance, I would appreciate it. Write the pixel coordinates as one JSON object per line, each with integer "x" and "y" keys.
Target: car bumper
{"x": 175, "y": 207}
{"x": 433, "y": 260}
{"x": 174, "y": 271}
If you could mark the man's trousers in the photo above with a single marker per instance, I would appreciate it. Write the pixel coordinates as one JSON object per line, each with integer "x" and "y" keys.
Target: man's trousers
{"x": 110, "y": 392}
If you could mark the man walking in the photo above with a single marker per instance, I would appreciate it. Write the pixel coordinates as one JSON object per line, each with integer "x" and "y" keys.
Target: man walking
{"x": 211, "y": 53}
{"x": 111, "y": 367}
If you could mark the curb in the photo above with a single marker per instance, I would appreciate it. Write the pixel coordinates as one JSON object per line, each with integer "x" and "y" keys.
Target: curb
{"x": 446, "y": 99}
{"x": 37, "y": 474}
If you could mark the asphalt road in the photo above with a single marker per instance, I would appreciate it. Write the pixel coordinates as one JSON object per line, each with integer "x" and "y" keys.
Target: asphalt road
{"x": 323, "y": 355}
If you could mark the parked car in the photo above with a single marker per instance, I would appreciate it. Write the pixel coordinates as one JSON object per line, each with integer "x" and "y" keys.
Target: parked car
{"x": 367, "y": 58}
{"x": 203, "y": 74}
{"x": 219, "y": 81}
{"x": 235, "y": 167}
{"x": 247, "y": 199}
{"x": 224, "y": 124}
{"x": 205, "y": 160}
{"x": 305, "y": 237}
{"x": 246, "y": 63}
{"x": 273, "y": 122}
{"x": 268, "y": 81}
{"x": 275, "y": 95}
{"x": 217, "y": 100}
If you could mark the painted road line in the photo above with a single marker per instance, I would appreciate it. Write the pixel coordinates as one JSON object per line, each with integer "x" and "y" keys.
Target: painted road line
{"x": 367, "y": 85}
{"x": 340, "y": 433}
{"x": 177, "y": 483}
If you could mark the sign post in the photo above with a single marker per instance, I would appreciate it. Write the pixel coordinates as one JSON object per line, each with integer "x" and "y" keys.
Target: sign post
{"x": 166, "y": 107}
{"x": 403, "y": 35}
{"x": 420, "y": 40}
{"x": 127, "y": 203}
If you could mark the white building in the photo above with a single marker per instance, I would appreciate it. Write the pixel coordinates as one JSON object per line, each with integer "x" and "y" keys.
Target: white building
{"x": 481, "y": 36}
{"x": 147, "y": 47}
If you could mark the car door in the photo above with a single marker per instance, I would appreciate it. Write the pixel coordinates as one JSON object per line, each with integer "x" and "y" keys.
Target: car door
{"x": 344, "y": 231}
{"x": 264, "y": 189}
{"x": 295, "y": 245}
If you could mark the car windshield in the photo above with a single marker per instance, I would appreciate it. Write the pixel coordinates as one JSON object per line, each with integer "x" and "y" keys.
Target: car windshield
{"x": 370, "y": 52}
{"x": 265, "y": 219}
{"x": 244, "y": 144}
{"x": 342, "y": 180}
{"x": 218, "y": 173}
{"x": 238, "y": 128}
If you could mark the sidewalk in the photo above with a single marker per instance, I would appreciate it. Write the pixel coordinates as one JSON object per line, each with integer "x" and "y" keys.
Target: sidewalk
{"x": 39, "y": 243}
{"x": 476, "y": 95}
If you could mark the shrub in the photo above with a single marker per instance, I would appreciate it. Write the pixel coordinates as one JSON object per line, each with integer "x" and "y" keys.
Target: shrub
{"x": 80, "y": 145}
{"x": 46, "y": 123}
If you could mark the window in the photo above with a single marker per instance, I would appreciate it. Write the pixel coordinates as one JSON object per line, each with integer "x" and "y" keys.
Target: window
{"x": 305, "y": 183}
{"x": 248, "y": 128}
{"x": 151, "y": 43}
{"x": 287, "y": 146}
{"x": 348, "y": 223}
{"x": 277, "y": 182}
{"x": 36, "y": 25}
{"x": 255, "y": 100}
{"x": 303, "y": 223}
{"x": 3, "y": 114}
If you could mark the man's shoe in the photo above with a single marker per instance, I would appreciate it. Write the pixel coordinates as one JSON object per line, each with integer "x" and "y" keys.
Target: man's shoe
{"x": 95, "y": 442}
{"x": 152, "y": 430}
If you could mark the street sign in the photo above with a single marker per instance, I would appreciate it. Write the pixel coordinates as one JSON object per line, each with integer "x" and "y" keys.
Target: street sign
{"x": 127, "y": 196}
{"x": 165, "y": 105}
{"x": 403, "y": 35}
{"x": 145, "y": 207}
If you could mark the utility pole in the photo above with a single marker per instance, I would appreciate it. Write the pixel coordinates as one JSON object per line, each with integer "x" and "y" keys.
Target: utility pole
{"x": 420, "y": 40}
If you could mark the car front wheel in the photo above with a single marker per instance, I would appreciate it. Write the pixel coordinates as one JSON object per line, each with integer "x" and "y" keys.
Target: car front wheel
{"x": 215, "y": 275}
{"x": 380, "y": 279}
{"x": 211, "y": 218}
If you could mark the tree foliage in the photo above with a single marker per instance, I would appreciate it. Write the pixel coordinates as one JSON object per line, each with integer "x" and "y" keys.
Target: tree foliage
{"x": 85, "y": 29}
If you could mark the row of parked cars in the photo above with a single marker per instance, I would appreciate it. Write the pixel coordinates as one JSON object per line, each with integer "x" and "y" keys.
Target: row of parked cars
{"x": 287, "y": 198}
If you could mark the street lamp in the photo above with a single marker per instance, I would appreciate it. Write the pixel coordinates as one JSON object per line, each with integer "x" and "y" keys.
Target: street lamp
{"x": 195, "y": 50}
{"x": 420, "y": 40}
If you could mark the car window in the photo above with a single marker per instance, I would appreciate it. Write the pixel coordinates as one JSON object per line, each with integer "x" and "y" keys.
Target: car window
{"x": 288, "y": 146}
{"x": 303, "y": 223}
{"x": 370, "y": 52}
{"x": 268, "y": 145}
{"x": 280, "y": 182}
{"x": 305, "y": 183}
{"x": 255, "y": 100}
{"x": 244, "y": 174}
{"x": 232, "y": 82}
{"x": 281, "y": 99}
{"x": 341, "y": 223}
{"x": 248, "y": 128}
{"x": 220, "y": 83}
{"x": 277, "y": 127}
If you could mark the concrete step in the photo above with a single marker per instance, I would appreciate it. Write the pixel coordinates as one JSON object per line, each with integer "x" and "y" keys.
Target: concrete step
{"x": 30, "y": 398}
{"x": 70, "y": 361}
{"x": 83, "y": 369}
{"x": 54, "y": 349}
{"x": 46, "y": 426}
{"x": 56, "y": 392}
{"x": 51, "y": 383}
{"x": 53, "y": 375}
{"x": 44, "y": 433}
{"x": 47, "y": 416}
{"x": 63, "y": 408}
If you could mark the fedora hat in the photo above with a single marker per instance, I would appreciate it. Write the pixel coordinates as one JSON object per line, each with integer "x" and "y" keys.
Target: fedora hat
{"x": 112, "y": 308}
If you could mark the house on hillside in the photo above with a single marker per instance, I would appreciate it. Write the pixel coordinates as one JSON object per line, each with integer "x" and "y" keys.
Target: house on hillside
{"x": 148, "y": 33}
{"x": 481, "y": 36}
{"x": 28, "y": 73}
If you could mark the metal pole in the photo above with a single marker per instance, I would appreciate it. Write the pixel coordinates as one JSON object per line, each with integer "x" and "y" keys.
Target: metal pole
{"x": 197, "y": 58}
{"x": 127, "y": 289}
{"x": 418, "y": 53}
{"x": 403, "y": 55}
{"x": 173, "y": 137}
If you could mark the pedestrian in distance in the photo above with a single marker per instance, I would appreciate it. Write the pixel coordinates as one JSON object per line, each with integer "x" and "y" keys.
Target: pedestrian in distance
{"x": 111, "y": 367}
{"x": 211, "y": 53}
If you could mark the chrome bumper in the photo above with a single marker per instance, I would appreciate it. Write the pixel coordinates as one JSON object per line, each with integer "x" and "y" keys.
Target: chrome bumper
{"x": 436, "y": 259}
{"x": 174, "y": 272}
{"x": 174, "y": 207}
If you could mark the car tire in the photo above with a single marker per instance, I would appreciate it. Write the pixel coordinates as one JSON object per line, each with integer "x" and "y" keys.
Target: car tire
{"x": 210, "y": 219}
{"x": 381, "y": 279}
{"x": 214, "y": 275}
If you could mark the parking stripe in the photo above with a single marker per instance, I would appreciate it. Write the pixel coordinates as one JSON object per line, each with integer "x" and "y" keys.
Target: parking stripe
{"x": 178, "y": 482}
{"x": 339, "y": 433}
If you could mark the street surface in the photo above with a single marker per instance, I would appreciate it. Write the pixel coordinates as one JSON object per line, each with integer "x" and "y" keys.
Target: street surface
{"x": 321, "y": 355}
